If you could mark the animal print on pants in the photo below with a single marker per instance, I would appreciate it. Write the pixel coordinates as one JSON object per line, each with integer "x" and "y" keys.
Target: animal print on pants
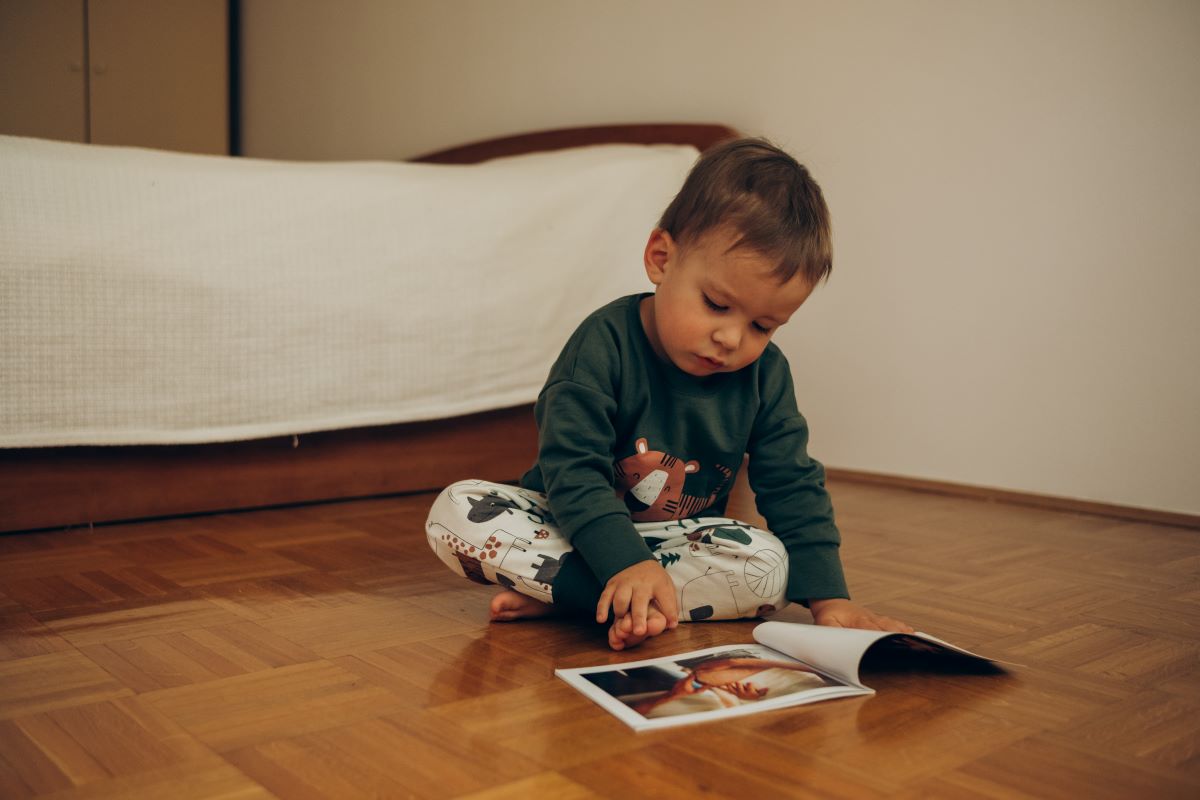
{"x": 505, "y": 535}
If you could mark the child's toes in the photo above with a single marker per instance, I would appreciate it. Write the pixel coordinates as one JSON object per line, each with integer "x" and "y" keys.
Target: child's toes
{"x": 620, "y": 633}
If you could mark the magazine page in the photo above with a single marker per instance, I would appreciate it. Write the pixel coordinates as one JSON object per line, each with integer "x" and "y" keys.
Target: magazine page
{"x": 702, "y": 685}
{"x": 840, "y": 651}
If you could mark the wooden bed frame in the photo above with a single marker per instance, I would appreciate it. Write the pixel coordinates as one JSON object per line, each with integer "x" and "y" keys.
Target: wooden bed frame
{"x": 62, "y": 487}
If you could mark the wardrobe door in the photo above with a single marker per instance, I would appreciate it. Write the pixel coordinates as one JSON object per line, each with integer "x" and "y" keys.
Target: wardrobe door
{"x": 42, "y": 81}
{"x": 160, "y": 73}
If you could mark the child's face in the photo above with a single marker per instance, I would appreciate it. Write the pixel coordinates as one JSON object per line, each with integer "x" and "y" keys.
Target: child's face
{"x": 714, "y": 310}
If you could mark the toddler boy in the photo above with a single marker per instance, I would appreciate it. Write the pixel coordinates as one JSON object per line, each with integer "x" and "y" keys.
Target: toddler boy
{"x": 644, "y": 421}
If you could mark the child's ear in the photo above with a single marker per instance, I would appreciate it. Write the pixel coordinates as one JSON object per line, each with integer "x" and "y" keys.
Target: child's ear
{"x": 660, "y": 251}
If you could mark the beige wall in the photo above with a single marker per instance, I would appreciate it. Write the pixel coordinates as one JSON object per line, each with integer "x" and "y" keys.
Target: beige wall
{"x": 1015, "y": 188}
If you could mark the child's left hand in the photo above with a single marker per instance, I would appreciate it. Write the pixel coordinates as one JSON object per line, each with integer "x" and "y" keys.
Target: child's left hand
{"x": 840, "y": 613}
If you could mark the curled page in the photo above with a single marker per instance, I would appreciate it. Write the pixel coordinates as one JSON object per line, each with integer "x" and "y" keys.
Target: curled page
{"x": 840, "y": 651}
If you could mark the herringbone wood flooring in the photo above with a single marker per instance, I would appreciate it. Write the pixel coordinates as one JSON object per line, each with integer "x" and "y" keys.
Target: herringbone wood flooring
{"x": 323, "y": 652}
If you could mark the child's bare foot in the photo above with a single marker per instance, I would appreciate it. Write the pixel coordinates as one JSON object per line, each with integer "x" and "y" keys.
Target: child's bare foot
{"x": 621, "y": 636}
{"x": 510, "y": 605}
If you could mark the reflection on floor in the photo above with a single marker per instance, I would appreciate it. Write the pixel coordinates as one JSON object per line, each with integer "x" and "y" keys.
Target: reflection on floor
{"x": 323, "y": 652}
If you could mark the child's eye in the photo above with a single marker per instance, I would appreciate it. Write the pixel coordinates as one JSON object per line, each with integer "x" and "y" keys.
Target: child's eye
{"x": 761, "y": 329}
{"x": 708, "y": 302}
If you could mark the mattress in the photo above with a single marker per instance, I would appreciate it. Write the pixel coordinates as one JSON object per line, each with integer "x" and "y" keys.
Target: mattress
{"x": 154, "y": 298}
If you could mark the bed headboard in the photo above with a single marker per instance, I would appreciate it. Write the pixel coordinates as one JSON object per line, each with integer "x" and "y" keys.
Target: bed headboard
{"x": 700, "y": 136}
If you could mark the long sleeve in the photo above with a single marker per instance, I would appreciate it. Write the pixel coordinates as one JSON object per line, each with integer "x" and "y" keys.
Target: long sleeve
{"x": 575, "y": 444}
{"x": 576, "y": 413}
{"x": 789, "y": 487}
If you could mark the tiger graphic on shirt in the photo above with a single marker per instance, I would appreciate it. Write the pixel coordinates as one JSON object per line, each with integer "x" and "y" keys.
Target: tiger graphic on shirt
{"x": 651, "y": 483}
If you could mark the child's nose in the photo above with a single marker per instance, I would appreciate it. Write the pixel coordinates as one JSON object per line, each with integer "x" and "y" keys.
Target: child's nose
{"x": 727, "y": 336}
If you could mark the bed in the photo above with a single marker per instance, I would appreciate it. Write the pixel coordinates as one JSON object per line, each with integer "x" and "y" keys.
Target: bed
{"x": 104, "y": 345}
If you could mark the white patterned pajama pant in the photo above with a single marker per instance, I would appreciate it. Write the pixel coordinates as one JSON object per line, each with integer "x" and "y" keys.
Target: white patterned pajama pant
{"x": 498, "y": 534}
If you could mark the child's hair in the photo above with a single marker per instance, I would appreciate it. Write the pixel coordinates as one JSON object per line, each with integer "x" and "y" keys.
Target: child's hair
{"x": 770, "y": 201}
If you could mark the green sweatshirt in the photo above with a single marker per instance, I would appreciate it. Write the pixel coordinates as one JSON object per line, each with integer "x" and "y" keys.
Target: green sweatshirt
{"x": 625, "y": 437}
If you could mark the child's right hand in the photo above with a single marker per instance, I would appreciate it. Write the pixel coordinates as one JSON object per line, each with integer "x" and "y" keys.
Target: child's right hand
{"x": 631, "y": 591}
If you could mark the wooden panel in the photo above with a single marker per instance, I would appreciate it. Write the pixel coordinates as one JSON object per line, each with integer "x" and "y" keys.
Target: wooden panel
{"x": 160, "y": 74}
{"x": 43, "y": 86}
{"x": 375, "y": 671}
{"x": 56, "y": 680}
{"x": 700, "y": 136}
{"x": 61, "y": 486}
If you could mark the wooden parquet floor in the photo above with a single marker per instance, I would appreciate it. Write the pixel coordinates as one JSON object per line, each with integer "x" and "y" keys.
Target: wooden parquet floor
{"x": 323, "y": 652}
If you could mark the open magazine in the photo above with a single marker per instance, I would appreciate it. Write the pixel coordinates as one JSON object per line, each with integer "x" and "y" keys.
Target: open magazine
{"x": 792, "y": 664}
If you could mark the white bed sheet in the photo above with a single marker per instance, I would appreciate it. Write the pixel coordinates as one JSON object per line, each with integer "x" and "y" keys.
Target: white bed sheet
{"x": 150, "y": 297}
